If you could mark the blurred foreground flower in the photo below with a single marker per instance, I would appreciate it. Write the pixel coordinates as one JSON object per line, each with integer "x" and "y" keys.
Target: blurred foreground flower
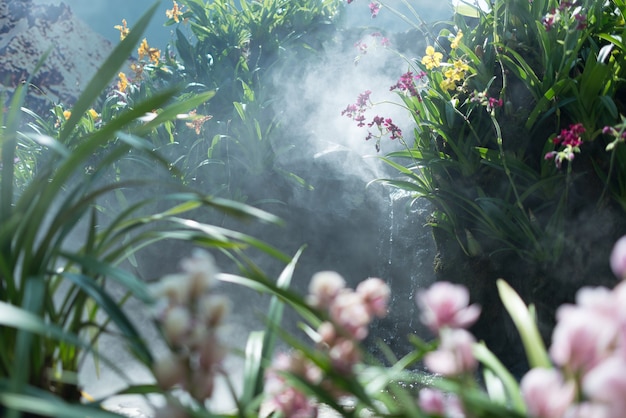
{"x": 446, "y": 305}
{"x": 189, "y": 316}
{"x": 350, "y": 313}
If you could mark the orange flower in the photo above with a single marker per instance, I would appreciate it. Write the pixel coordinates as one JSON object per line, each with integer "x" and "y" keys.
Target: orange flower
{"x": 124, "y": 30}
{"x": 174, "y": 13}
{"x": 67, "y": 114}
{"x": 197, "y": 121}
{"x": 144, "y": 50}
{"x": 137, "y": 69}
{"x": 122, "y": 84}
{"x": 94, "y": 115}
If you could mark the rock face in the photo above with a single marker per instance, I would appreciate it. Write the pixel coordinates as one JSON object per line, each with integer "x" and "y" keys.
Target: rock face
{"x": 27, "y": 32}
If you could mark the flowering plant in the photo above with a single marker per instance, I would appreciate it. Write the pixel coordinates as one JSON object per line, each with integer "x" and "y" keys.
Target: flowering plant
{"x": 62, "y": 247}
{"x": 517, "y": 138}
{"x": 580, "y": 375}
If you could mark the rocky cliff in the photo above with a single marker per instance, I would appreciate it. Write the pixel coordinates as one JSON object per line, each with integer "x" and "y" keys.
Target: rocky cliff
{"x": 27, "y": 32}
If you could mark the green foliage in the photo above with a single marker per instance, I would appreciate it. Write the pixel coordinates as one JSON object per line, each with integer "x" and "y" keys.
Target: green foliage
{"x": 69, "y": 225}
{"x": 532, "y": 70}
{"x": 230, "y": 144}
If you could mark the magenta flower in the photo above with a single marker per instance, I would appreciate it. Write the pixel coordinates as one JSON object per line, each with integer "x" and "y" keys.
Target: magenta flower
{"x": 446, "y": 305}
{"x": 570, "y": 136}
{"x": 570, "y": 140}
{"x": 546, "y": 394}
{"x": 618, "y": 258}
{"x": 374, "y": 8}
{"x": 454, "y": 355}
{"x": 406, "y": 83}
{"x": 386, "y": 126}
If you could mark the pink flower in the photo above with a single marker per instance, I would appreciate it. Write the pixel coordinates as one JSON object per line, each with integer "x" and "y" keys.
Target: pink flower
{"x": 454, "y": 355}
{"x": 350, "y": 312}
{"x": 545, "y": 393}
{"x": 283, "y": 398}
{"x": 432, "y": 401}
{"x": 375, "y": 293}
{"x": 618, "y": 258}
{"x": 588, "y": 409}
{"x": 344, "y": 354}
{"x": 606, "y": 384}
{"x": 374, "y": 8}
{"x": 324, "y": 287}
{"x": 446, "y": 305}
{"x": 294, "y": 404}
{"x": 584, "y": 335}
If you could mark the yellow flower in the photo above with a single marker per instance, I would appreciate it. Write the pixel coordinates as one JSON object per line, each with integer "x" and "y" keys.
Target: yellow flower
{"x": 152, "y": 53}
{"x": 94, "y": 115}
{"x": 457, "y": 40}
{"x": 448, "y": 84}
{"x": 122, "y": 84}
{"x": 454, "y": 74}
{"x": 174, "y": 13}
{"x": 67, "y": 114}
{"x": 432, "y": 59}
{"x": 123, "y": 29}
{"x": 461, "y": 65}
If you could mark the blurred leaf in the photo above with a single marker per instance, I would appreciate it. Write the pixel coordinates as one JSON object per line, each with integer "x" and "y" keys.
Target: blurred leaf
{"x": 114, "y": 314}
{"x": 525, "y": 323}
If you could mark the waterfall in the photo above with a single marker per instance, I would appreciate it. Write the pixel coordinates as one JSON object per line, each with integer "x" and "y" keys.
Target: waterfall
{"x": 408, "y": 246}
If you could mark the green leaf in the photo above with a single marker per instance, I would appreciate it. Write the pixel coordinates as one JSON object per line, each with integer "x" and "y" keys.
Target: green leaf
{"x": 525, "y": 323}
{"x": 114, "y": 313}
{"x": 51, "y": 407}
{"x": 491, "y": 362}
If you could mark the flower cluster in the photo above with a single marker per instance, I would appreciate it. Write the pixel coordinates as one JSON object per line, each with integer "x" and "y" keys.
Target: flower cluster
{"x": 374, "y": 8}
{"x": 356, "y": 111}
{"x": 175, "y": 12}
{"x": 454, "y": 74}
{"x": 406, "y": 83}
{"x": 63, "y": 115}
{"x": 618, "y": 132}
{"x": 374, "y": 38}
{"x": 491, "y": 103}
{"x": 588, "y": 351}
{"x": 570, "y": 140}
{"x": 456, "y": 41}
{"x": 589, "y": 348}
{"x": 446, "y": 311}
{"x": 144, "y": 50}
{"x": 349, "y": 314}
{"x": 566, "y": 12}
{"x": 189, "y": 316}
{"x": 432, "y": 59}
{"x": 385, "y": 126}
{"x": 123, "y": 28}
